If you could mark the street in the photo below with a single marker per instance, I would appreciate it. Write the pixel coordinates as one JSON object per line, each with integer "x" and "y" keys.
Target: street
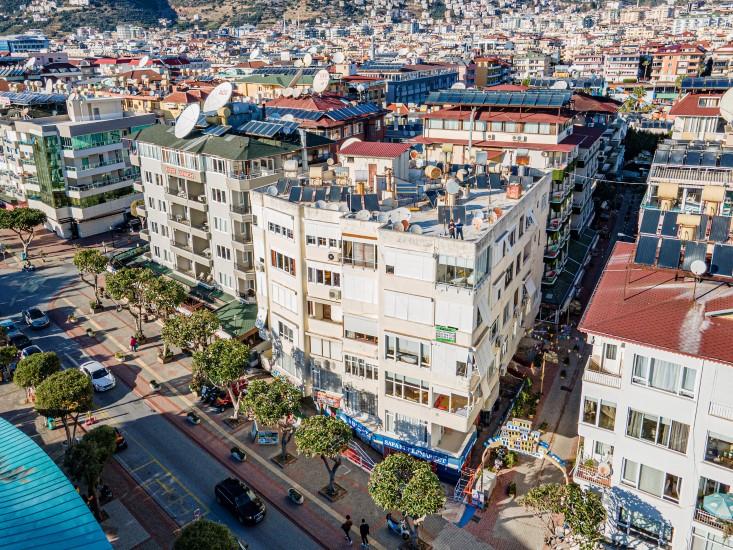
{"x": 172, "y": 468}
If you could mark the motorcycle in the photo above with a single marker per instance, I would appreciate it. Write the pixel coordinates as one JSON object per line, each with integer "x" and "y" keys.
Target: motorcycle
{"x": 222, "y": 402}
{"x": 398, "y": 527}
{"x": 105, "y": 494}
{"x": 29, "y": 267}
{"x": 205, "y": 392}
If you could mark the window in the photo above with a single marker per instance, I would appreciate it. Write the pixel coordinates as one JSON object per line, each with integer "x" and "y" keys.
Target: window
{"x": 282, "y": 262}
{"x": 151, "y": 203}
{"x": 285, "y": 332}
{"x": 154, "y": 227}
{"x": 156, "y": 251}
{"x": 455, "y": 271}
{"x": 664, "y": 375}
{"x": 408, "y": 429}
{"x": 221, "y": 224}
{"x": 404, "y": 387}
{"x": 225, "y": 280}
{"x": 310, "y": 240}
{"x": 359, "y": 254}
{"x": 719, "y": 450}
{"x": 356, "y": 366}
{"x": 649, "y": 529}
{"x": 162, "y": 206}
{"x": 360, "y": 401}
{"x": 413, "y": 352}
{"x": 652, "y": 481}
{"x": 352, "y": 335}
{"x": 219, "y": 195}
{"x": 611, "y": 350}
{"x": 658, "y": 430}
{"x": 324, "y": 277}
{"x": 280, "y": 230}
{"x": 599, "y": 413}
{"x": 217, "y": 165}
{"x": 223, "y": 252}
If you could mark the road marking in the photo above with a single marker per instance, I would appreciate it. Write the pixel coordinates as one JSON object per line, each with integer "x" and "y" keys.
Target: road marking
{"x": 148, "y": 463}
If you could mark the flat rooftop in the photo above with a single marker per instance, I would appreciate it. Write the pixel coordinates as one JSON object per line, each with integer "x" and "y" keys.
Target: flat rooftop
{"x": 694, "y": 154}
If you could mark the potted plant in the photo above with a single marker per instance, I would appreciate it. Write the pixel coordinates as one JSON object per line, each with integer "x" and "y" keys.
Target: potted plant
{"x": 94, "y": 306}
{"x": 164, "y": 357}
{"x": 238, "y": 454}
{"x": 154, "y": 386}
{"x": 193, "y": 418}
{"x": 90, "y": 332}
{"x": 120, "y": 356}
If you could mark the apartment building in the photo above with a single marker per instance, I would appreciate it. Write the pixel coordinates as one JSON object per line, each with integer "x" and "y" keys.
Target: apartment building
{"x": 386, "y": 321}
{"x": 74, "y": 167}
{"x": 410, "y": 84}
{"x": 622, "y": 65}
{"x": 487, "y": 72}
{"x": 677, "y": 61}
{"x": 656, "y": 421}
{"x": 696, "y": 116}
{"x": 23, "y": 43}
{"x": 722, "y": 62}
{"x": 197, "y": 199}
{"x": 531, "y": 64}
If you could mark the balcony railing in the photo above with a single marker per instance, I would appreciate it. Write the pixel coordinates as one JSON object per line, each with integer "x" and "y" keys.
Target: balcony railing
{"x": 243, "y": 266}
{"x": 596, "y": 375}
{"x": 94, "y": 165}
{"x": 125, "y": 177}
{"x": 240, "y": 209}
{"x": 591, "y": 475}
{"x": 720, "y": 410}
{"x": 254, "y": 174}
{"x": 701, "y": 516}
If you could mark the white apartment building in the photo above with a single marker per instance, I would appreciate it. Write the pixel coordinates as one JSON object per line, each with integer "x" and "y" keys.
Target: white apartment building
{"x": 386, "y": 321}
{"x": 622, "y": 66}
{"x": 531, "y": 65}
{"x": 74, "y": 167}
{"x": 656, "y": 420}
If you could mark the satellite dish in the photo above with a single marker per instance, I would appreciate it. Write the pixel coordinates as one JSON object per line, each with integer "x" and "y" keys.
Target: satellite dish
{"x": 604, "y": 469}
{"x": 458, "y": 86}
{"x": 254, "y": 54}
{"x": 416, "y": 229}
{"x": 187, "y": 120}
{"x": 49, "y": 86}
{"x": 461, "y": 174}
{"x": 321, "y": 204}
{"x": 348, "y": 142}
{"x": 361, "y": 88}
{"x": 452, "y": 187}
{"x": 559, "y": 85}
{"x": 298, "y": 63}
{"x": 288, "y": 92}
{"x": 698, "y": 267}
{"x": 363, "y": 215}
{"x": 307, "y": 60}
{"x": 343, "y": 208}
{"x": 397, "y": 226}
{"x": 330, "y": 161}
{"x": 218, "y": 97}
{"x": 726, "y": 106}
{"x": 30, "y": 63}
{"x": 321, "y": 80}
{"x": 272, "y": 191}
{"x": 339, "y": 57}
{"x": 297, "y": 92}
{"x": 143, "y": 61}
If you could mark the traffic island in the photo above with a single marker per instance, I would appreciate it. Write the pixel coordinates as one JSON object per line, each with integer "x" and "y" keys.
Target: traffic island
{"x": 283, "y": 461}
{"x": 337, "y": 494}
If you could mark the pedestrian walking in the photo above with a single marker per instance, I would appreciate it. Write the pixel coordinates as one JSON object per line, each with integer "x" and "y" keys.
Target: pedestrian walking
{"x": 452, "y": 229}
{"x": 346, "y": 527}
{"x": 133, "y": 343}
{"x": 364, "y": 532}
{"x": 459, "y": 229}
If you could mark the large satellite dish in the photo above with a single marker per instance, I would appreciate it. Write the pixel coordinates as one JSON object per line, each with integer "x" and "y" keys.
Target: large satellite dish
{"x": 288, "y": 92}
{"x": 726, "y": 106}
{"x": 218, "y": 97}
{"x": 321, "y": 80}
{"x": 458, "y": 86}
{"x": 143, "y": 61}
{"x": 452, "y": 187}
{"x": 298, "y": 63}
{"x": 559, "y": 85}
{"x": 288, "y": 117}
{"x": 348, "y": 142}
{"x": 339, "y": 57}
{"x": 49, "y": 86}
{"x": 187, "y": 120}
{"x": 698, "y": 267}
{"x": 307, "y": 60}
{"x": 30, "y": 63}
{"x": 297, "y": 92}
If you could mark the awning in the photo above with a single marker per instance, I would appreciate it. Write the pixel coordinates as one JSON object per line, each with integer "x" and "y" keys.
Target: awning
{"x": 261, "y": 320}
{"x": 713, "y": 193}
{"x": 362, "y": 325}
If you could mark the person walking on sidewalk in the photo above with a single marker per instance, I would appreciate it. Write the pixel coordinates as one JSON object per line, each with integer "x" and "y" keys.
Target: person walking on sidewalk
{"x": 346, "y": 527}
{"x": 133, "y": 343}
{"x": 364, "y": 532}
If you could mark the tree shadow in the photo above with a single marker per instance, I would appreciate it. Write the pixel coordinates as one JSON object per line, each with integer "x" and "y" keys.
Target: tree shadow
{"x": 626, "y": 508}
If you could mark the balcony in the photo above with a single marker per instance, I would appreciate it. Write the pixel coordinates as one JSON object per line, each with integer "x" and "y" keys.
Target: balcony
{"x": 242, "y": 213}
{"x": 720, "y": 410}
{"x": 187, "y": 226}
{"x": 590, "y": 474}
{"x": 242, "y": 242}
{"x": 241, "y": 181}
{"x": 709, "y": 520}
{"x": 126, "y": 177}
{"x": 595, "y": 374}
{"x": 92, "y": 168}
{"x": 243, "y": 267}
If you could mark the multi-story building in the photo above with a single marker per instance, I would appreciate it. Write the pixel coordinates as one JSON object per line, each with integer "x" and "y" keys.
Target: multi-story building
{"x": 656, "y": 422}
{"x": 411, "y": 84}
{"x": 488, "y": 71}
{"x": 696, "y": 116}
{"x": 588, "y": 65}
{"x": 622, "y": 65}
{"x": 23, "y": 43}
{"x": 388, "y": 322}
{"x": 678, "y": 60}
{"x": 531, "y": 64}
{"x": 74, "y": 167}
{"x": 722, "y": 62}
{"x": 197, "y": 198}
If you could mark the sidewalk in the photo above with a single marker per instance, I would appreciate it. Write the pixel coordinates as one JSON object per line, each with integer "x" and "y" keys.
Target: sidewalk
{"x": 318, "y": 517}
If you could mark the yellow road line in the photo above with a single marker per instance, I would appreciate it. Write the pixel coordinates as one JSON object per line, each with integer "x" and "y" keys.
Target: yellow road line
{"x": 148, "y": 463}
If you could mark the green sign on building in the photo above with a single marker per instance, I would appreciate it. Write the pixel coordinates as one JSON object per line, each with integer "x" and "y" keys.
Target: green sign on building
{"x": 445, "y": 334}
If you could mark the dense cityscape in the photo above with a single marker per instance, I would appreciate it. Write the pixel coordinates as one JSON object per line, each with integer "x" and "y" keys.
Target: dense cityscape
{"x": 448, "y": 274}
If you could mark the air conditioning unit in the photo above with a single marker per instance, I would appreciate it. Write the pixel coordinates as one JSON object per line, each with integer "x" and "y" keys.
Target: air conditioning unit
{"x": 334, "y": 294}
{"x": 178, "y": 217}
{"x": 545, "y": 154}
{"x": 207, "y": 253}
{"x": 491, "y": 137}
{"x": 202, "y": 198}
{"x": 334, "y": 256}
{"x": 524, "y": 138}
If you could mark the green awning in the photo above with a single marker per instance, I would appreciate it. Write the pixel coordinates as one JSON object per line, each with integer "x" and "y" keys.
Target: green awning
{"x": 237, "y": 319}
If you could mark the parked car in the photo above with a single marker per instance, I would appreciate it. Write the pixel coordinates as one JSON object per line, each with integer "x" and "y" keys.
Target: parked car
{"x": 35, "y": 318}
{"x": 240, "y": 500}
{"x": 102, "y": 379}
{"x": 19, "y": 340}
{"x": 9, "y": 326}
{"x": 30, "y": 350}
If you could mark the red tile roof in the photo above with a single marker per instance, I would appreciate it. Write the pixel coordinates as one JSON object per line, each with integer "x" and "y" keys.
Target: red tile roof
{"x": 688, "y": 106}
{"x": 375, "y": 149}
{"x": 653, "y": 308}
{"x": 507, "y": 88}
{"x": 584, "y": 103}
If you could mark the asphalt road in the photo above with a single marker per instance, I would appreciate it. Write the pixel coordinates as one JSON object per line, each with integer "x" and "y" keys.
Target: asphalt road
{"x": 178, "y": 473}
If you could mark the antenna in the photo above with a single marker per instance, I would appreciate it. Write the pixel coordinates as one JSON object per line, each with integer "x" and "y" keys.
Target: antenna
{"x": 321, "y": 81}
{"x": 726, "y": 106}
{"x": 307, "y": 60}
{"x": 218, "y": 97}
{"x": 143, "y": 61}
{"x": 187, "y": 120}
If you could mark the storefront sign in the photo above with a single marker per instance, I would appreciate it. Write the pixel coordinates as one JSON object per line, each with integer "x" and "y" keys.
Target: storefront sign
{"x": 325, "y": 398}
{"x": 364, "y": 433}
{"x": 181, "y": 173}
{"x": 445, "y": 334}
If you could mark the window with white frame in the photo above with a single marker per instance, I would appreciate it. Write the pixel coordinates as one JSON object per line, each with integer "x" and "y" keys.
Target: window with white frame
{"x": 409, "y": 351}
{"x": 219, "y": 195}
{"x": 324, "y": 277}
{"x": 282, "y": 262}
{"x": 156, "y": 251}
{"x": 280, "y": 230}
{"x": 664, "y": 375}
{"x": 284, "y": 297}
{"x": 225, "y": 280}
{"x": 357, "y": 366}
{"x": 221, "y": 224}
{"x": 285, "y": 332}
{"x": 409, "y": 429}
{"x": 599, "y": 413}
{"x": 657, "y": 430}
{"x": 223, "y": 252}
{"x": 325, "y": 348}
{"x": 652, "y": 481}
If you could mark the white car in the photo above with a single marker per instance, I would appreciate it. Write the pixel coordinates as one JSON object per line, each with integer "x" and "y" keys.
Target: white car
{"x": 102, "y": 379}
{"x": 30, "y": 350}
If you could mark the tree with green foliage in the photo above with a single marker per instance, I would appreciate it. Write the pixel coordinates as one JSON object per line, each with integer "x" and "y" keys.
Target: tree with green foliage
{"x": 23, "y": 222}
{"x": 85, "y": 461}
{"x": 66, "y": 395}
{"x": 195, "y": 331}
{"x": 93, "y": 262}
{"x": 274, "y": 403}
{"x": 173, "y": 332}
{"x": 223, "y": 363}
{"x": 34, "y": 369}
{"x": 165, "y": 295}
{"x": 203, "y": 534}
{"x": 582, "y": 510}
{"x": 326, "y": 437}
{"x": 401, "y": 482}
{"x": 133, "y": 285}
{"x": 8, "y": 354}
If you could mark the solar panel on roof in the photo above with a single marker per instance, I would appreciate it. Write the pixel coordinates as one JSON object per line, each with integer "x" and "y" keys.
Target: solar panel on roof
{"x": 308, "y": 194}
{"x": 726, "y": 160}
{"x": 371, "y": 202}
{"x": 693, "y": 158}
{"x": 261, "y": 129}
{"x": 669, "y": 224}
{"x": 676, "y": 156}
{"x": 722, "y": 262}
{"x": 282, "y": 185}
{"x": 650, "y": 221}
{"x": 669, "y": 253}
{"x": 720, "y": 229}
{"x": 294, "y": 194}
{"x": 334, "y": 194}
{"x": 709, "y": 158}
{"x": 289, "y": 127}
{"x": 693, "y": 251}
{"x": 646, "y": 250}
{"x": 432, "y": 196}
{"x": 216, "y": 130}
{"x": 321, "y": 194}
{"x": 355, "y": 202}
{"x": 345, "y": 192}
{"x": 702, "y": 228}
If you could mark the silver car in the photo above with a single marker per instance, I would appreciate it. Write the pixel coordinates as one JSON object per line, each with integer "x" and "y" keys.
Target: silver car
{"x": 102, "y": 379}
{"x": 35, "y": 318}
